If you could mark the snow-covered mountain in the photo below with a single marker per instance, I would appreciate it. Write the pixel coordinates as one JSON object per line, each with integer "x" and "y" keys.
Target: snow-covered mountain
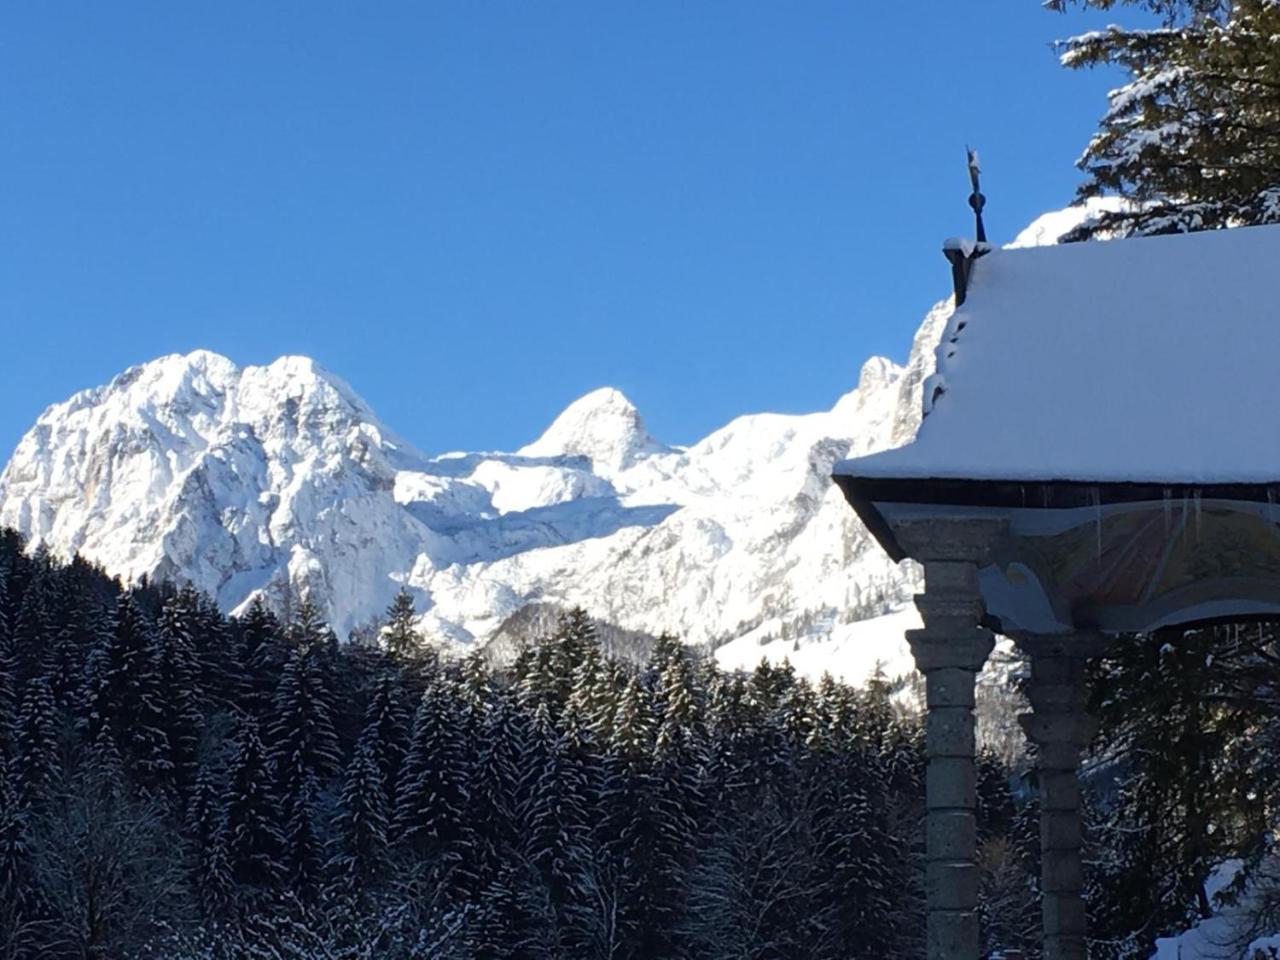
{"x": 280, "y": 480}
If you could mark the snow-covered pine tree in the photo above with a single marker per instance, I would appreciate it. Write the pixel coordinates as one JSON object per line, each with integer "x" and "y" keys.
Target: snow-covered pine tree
{"x": 215, "y": 652}
{"x": 64, "y": 660}
{"x": 20, "y": 920}
{"x": 535, "y": 677}
{"x": 253, "y": 840}
{"x": 1190, "y": 141}
{"x": 555, "y": 823}
{"x": 431, "y": 804}
{"x": 38, "y": 755}
{"x": 261, "y": 655}
{"x": 595, "y": 690}
{"x": 643, "y": 832}
{"x": 475, "y": 686}
{"x": 513, "y": 918}
{"x": 32, "y": 630}
{"x": 8, "y": 696}
{"x": 361, "y": 824}
{"x": 680, "y": 746}
{"x": 1184, "y": 728}
{"x": 211, "y": 874}
{"x": 498, "y": 785}
{"x": 387, "y": 721}
{"x": 853, "y": 860}
{"x": 304, "y": 747}
{"x": 575, "y": 635}
{"x": 123, "y": 693}
{"x": 179, "y": 669}
{"x": 665, "y": 649}
{"x": 403, "y": 642}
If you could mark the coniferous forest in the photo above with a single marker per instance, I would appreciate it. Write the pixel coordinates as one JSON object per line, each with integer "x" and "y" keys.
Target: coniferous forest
{"x": 179, "y": 784}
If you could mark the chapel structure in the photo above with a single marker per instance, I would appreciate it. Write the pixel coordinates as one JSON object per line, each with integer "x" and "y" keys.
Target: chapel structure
{"x": 1099, "y": 456}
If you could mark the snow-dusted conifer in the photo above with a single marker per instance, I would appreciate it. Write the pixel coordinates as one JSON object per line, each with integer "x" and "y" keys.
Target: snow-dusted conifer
{"x": 19, "y": 894}
{"x": 304, "y": 746}
{"x": 261, "y": 653}
{"x": 212, "y": 873}
{"x": 1188, "y": 139}
{"x": 362, "y": 820}
{"x": 253, "y": 839}
{"x": 387, "y": 722}
{"x": 178, "y": 666}
{"x": 38, "y": 750}
{"x": 124, "y": 693}
{"x": 403, "y": 641}
{"x": 431, "y": 802}
{"x": 499, "y": 783}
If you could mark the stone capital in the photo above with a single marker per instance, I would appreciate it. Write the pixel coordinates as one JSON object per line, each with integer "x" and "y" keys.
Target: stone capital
{"x": 1076, "y": 727}
{"x": 965, "y": 649}
{"x": 971, "y": 539}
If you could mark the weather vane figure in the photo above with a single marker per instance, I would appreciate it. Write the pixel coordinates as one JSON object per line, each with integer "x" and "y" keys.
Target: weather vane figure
{"x": 976, "y": 200}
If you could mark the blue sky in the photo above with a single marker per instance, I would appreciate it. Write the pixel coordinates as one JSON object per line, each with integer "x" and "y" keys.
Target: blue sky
{"x": 477, "y": 211}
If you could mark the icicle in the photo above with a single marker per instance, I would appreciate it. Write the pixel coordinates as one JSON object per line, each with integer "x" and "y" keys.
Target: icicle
{"x": 1271, "y": 505}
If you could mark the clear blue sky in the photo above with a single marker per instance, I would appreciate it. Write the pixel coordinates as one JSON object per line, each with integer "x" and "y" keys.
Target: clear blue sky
{"x": 477, "y": 211}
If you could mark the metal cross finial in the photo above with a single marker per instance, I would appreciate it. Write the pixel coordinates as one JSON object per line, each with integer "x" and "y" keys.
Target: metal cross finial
{"x": 976, "y": 200}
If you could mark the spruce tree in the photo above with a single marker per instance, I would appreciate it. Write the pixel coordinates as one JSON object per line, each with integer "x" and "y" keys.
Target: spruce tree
{"x": 32, "y": 630}
{"x": 8, "y": 696}
{"x": 431, "y": 818}
{"x": 594, "y": 694}
{"x": 361, "y": 822}
{"x": 514, "y": 918}
{"x": 640, "y": 829}
{"x": 178, "y": 666}
{"x": 261, "y": 654}
{"x": 253, "y": 840}
{"x": 1190, "y": 141}
{"x": 573, "y": 638}
{"x": 212, "y": 877}
{"x": 498, "y": 782}
{"x": 38, "y": 760}
{"x": 554, "y": 818}
{"x": 403, "y": 642}
{"x": 304, "y": 749}
{"x": 20, "y": 926}
{"x": 124, "y": 693}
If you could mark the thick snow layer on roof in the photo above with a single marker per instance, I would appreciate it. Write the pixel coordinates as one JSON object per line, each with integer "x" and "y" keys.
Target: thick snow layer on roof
{"x": 1142, "y": 360}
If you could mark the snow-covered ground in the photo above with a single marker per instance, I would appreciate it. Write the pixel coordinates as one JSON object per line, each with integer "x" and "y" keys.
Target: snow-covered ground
{"x": 1230, "y": 933}
{"x": 848, "y": 651}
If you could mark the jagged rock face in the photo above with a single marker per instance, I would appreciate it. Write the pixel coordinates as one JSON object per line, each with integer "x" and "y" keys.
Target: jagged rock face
{"x": 279, "y": 480}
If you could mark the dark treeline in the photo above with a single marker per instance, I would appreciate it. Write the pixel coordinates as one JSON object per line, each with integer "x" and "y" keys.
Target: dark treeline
{"x": 178, "y": 784}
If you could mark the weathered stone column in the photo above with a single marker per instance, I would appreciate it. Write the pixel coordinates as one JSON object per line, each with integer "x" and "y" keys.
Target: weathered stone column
{"x": 1060, "y": 728}
{"x": 949, "y": 651}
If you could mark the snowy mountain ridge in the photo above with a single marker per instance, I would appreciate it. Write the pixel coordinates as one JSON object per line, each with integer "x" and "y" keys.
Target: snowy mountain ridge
{"x": 279, "y": 480}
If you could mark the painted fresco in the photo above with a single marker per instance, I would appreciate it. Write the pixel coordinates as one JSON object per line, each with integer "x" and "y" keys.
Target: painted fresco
{"x": 1130, "y": 566}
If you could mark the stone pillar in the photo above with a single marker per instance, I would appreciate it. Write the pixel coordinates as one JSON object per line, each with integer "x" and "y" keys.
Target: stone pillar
{"x": 949, "y": 651}
{"x": 1060, "y": 728}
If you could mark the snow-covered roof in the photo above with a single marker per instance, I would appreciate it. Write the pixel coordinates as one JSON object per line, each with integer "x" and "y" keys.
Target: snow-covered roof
{"x": 1148, "y": 360}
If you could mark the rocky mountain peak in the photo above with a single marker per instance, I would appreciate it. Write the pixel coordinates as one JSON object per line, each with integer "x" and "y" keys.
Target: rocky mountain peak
{"x": 279, "y": 480}
{"x": 603, "y": 426}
